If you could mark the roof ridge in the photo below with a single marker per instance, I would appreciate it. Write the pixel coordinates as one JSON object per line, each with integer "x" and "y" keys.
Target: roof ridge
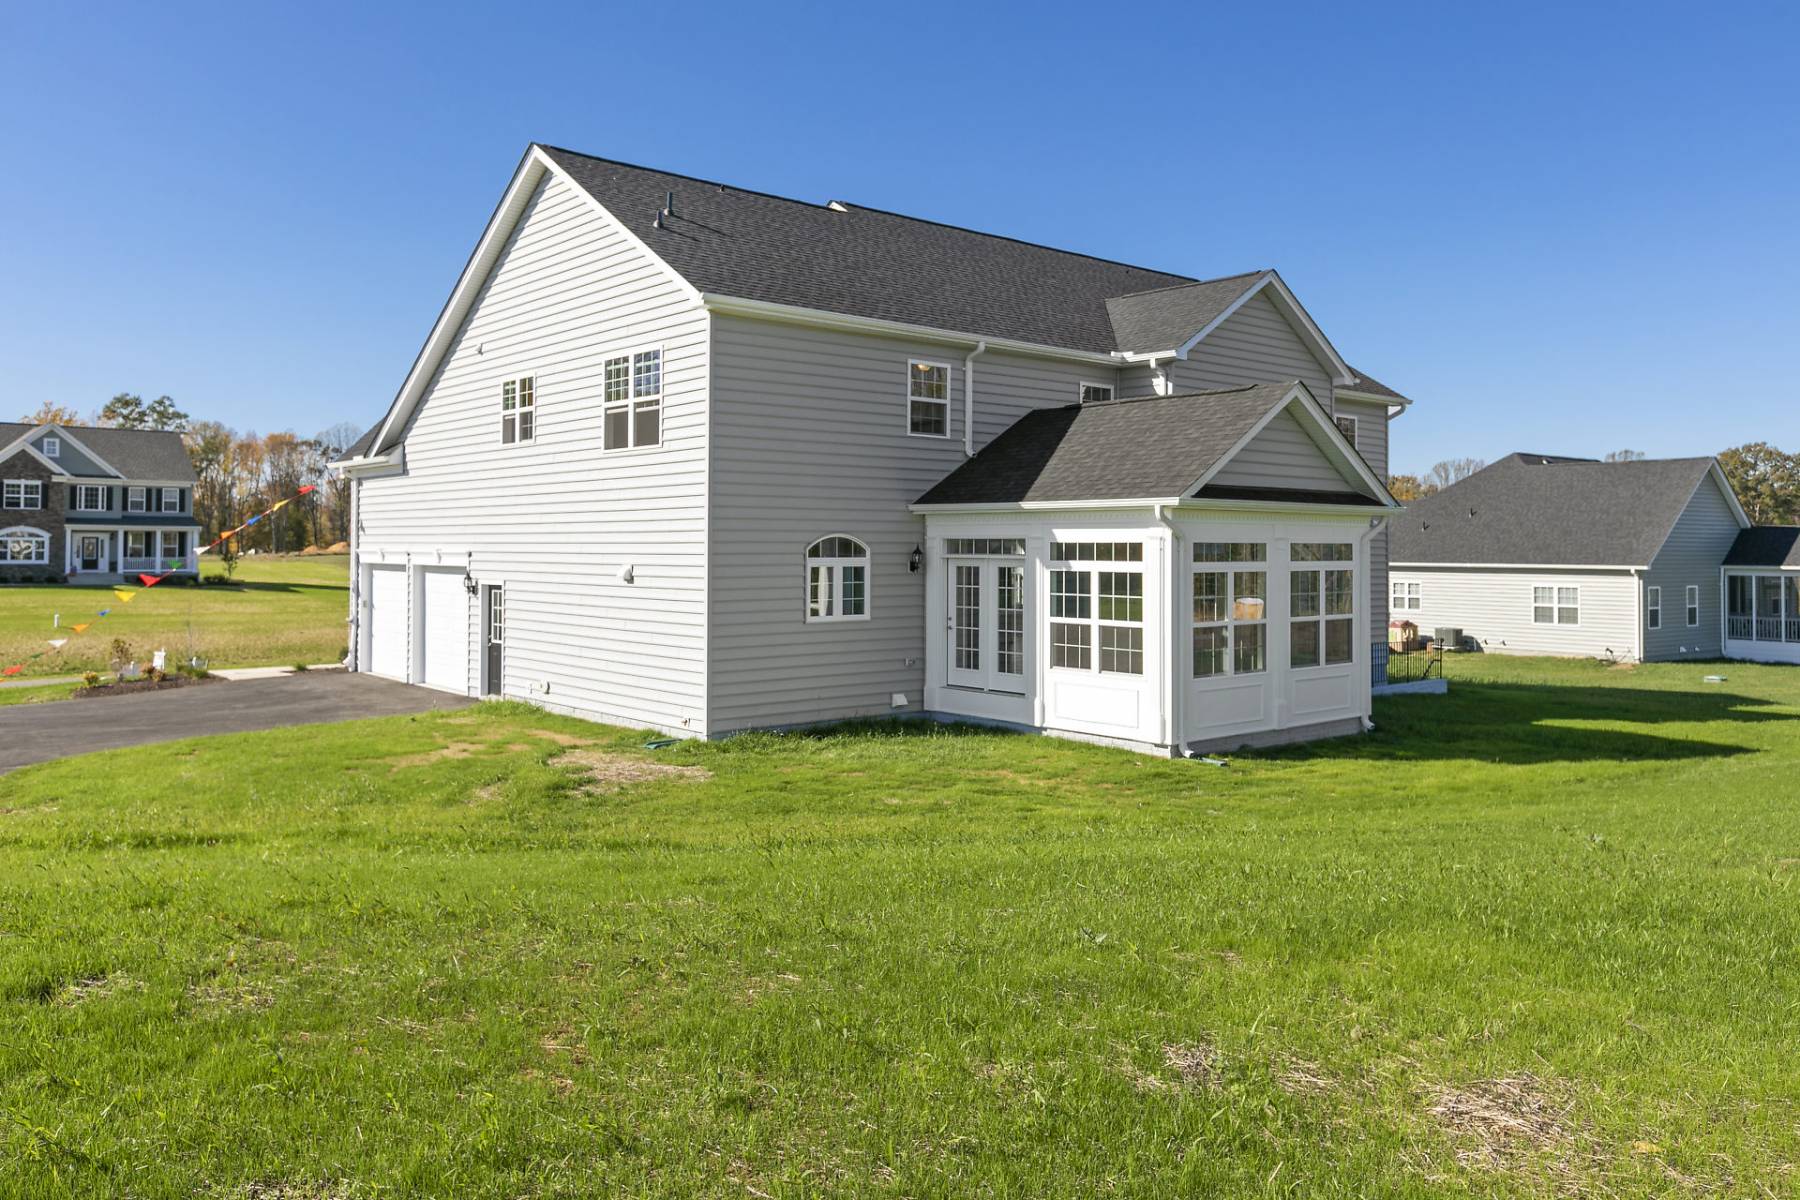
{"x": 868, "y": 208}
{"x": 1175, "y": 287}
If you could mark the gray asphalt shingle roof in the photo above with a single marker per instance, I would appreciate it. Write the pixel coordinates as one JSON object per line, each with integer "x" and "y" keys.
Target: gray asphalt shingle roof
{"x": 134, "y": 453}
{"x": 1369, "y": 385}
{"x": 871, "y": 263}
{"x": 1167, "y": 317}
{"x": 1534, "y": 509}
{"x": 1766, "y": 546}
{"x": 1149, "y": 448}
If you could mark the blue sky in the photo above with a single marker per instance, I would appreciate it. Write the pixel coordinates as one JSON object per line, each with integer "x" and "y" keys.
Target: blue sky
{"x": 1558, "y": 228}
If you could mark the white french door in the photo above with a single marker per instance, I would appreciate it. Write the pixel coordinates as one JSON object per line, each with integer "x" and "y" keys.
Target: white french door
{"x": 987, "y": 624}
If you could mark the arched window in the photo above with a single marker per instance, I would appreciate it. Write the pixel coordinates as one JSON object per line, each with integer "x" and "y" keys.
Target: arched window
{"x": 837, "y": 580}
{"x": 22, "y": 545}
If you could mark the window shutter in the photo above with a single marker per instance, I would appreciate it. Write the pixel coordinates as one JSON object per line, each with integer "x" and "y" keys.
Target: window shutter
{"x": 71, "y": 497}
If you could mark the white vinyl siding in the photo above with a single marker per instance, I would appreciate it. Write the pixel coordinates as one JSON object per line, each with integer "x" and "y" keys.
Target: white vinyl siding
{"x": 1498, "y": 609}
{"x": 1691, "y": 557}
{"x": 804, "y": 431}
{"x": 555, "y": 520}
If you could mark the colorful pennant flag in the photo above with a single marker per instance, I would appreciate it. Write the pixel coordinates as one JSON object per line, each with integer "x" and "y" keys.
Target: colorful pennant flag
{"x": 152, "y": 580}
{"x": 58, "y": 643}
{"x": 13, "y": 670}
{"x": 124, "y": 595}
{"x": 81, "y": 628}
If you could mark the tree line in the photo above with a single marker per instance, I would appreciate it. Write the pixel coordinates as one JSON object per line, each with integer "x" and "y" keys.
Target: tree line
{"x": 1766, "y": 479}
{"x": 239, "y": 474}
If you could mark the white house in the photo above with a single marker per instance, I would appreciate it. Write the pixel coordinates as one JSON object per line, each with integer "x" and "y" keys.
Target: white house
{"x": 691, "y": 457}
{"x": 1651, "y": 561}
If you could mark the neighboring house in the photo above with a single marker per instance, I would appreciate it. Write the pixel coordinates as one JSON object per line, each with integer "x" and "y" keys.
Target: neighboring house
{"x": 94, "y": 505}
{"x": 686, "y": 456}
{"x": 1651, "y": 561}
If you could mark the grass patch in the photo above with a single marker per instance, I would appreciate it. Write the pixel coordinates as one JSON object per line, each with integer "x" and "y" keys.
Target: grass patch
{"x": 1531, "y": 938}
{"x": 278, "y": 612}
{"x": 36, "y": 695}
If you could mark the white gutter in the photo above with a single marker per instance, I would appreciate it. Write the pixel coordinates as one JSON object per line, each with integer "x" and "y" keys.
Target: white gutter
{"x": 969, "y": 398}
{"x": 1173, "y": 726}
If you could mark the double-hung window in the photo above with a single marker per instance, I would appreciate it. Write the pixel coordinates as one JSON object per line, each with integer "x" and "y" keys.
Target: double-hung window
{"x": 1231, "y": 602}
{"x": 1404, "y": 597}
{"x": 134, "y": 499}
{"x": 1654, "y": 607}
{"x": 1693, "y": 604}
{"x": 90, "y": 498}
{"x": 1347, "y": 427}
{"x": 1097, "y": 601}
{"x": 171, "y": 500}
{"x": 927, "y": 398}
{"x": 1560, "y": 605}
{"x": 22, "y": 494}
{"x": 518, "y": 410}
{"x": 1096, "y": 393}
{"x": 22, "y": 545}
{"x": 634, "y": 393}
{"x": 52, "y": 447}
{"x": 1321, "y": 604}
{"x": 837, "y": 580}
{"x": 137, "y": 543}
{"x": 172, "y": 549}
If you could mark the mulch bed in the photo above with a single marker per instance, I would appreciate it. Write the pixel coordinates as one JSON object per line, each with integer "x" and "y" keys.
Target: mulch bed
{"x": 139, "y": 685}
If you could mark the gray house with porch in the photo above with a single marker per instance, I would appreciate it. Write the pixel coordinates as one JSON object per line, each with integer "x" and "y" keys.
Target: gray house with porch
{"x": 683, "y": 455}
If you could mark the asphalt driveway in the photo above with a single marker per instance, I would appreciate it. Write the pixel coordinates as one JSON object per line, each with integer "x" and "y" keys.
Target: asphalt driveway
{"x": 34, "y": 733}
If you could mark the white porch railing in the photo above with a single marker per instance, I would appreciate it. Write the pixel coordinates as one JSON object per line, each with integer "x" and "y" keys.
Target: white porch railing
{"x": 156, "y": 566}
{"x": 1763, "y": 629}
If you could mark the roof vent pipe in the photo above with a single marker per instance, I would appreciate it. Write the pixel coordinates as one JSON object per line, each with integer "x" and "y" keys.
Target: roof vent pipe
{"x": 669, "y": 208}
{"x": 969, "y": 398}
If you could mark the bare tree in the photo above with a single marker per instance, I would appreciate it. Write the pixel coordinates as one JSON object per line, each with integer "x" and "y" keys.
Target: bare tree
{"x": 1451, "y": 470}
{"x": 1616, "y": 456}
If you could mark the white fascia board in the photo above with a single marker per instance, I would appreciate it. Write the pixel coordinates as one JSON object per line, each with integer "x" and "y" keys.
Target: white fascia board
{"x": 737, "y": 306}
{"x": 1025, "y": 506}
{"x": 367, "y": 465}
{"x": 1444, "y": 566}
{"x": 1349, "y": 512}
{"x": 1350, "y": 393}
{"x": 531, "y": 171}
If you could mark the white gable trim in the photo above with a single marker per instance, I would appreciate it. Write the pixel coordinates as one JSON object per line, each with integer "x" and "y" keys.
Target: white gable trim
{"x": 1337, "y": 447}
{"x": 23, "y": 442}
{"x": 1271, "y": 282}
{"x": 531, "y": 172}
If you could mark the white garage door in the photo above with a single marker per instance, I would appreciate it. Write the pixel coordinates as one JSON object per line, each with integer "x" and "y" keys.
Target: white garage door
{"x": 444, "y": 626}
{"x": 384, "y": 617}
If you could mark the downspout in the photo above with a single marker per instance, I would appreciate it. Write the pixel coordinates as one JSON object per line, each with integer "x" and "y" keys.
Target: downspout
{"x": 355, "y": 618}
{"x": 1376, "y": 525}
{"x": 1637, "y": 581}
{"x": 1172, "y": 690}
{"x": 969, "y": 398}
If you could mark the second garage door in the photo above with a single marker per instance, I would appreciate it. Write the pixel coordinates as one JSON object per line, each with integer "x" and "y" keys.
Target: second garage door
{"x": 385, "y": 619}
{"x": 444, "y": 630}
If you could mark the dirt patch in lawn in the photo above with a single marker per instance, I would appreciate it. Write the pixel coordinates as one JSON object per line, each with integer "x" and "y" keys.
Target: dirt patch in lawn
{"x": 139, "y": 685}
{"x": 453, "y": 750}
{"x": 561, "y": 739}
{"x": 1502, "y": 1120}
{"x": 602, "y": 773}
{"x": 94, "y": 987}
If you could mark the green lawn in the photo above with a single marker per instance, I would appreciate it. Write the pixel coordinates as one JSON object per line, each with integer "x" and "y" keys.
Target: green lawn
{"x": 284, "y": 611}
{"x": 1536, "y": 937}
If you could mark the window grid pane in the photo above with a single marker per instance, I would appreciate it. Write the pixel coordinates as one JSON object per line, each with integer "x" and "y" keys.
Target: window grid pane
{"x": 1247, "y": 649}
{"x": 1304, "y": 644}
{"x": 646, "y": 373}
{"x": 1212, "y": 643}
{"x": 1070, "y": 645}
{"x": 1009, "y": 621}
{"x": 1303, "y": 594}
{"x": 1121, "y": 596}
{"x": 1121, "y": 650}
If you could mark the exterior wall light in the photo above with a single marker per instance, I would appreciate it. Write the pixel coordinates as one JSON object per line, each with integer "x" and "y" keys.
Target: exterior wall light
{"x": 915, "y": 560}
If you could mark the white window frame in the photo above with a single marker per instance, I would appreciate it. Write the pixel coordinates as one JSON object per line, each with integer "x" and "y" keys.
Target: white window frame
{"x": 1557, "y": 605}
{"x": 142, "y": 550}
{"x": 1231, "y": 622}
{"x": 1321, "y": 567}
{"x": 1653, "y": 606}
{"x": 633, "y": 401}
{"x": 832, "y": 569}
{"x": 1091, "y": 599}
{"x": 165, "y": 554}
{"x": 23, "y": 488}
{"x": 913, "y": 364}
{"x": 52, "y": 447}
{"x": 1404, "y": 596}
{"x": 512, "y": 417}
{"x": 81, "y": 492}
{"x": 171, "y": 496}
{"x": 1349, "y": 434}
{"x": 1693, "y": 605}
{"x": 25, "y": 533}
{"x": 137, "y": 499}
{"x": 1108, "y": 388}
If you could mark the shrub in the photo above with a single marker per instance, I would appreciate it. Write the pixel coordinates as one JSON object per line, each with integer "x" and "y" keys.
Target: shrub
{"x": 120, "y": 656}
{"x": 91, "y": 679}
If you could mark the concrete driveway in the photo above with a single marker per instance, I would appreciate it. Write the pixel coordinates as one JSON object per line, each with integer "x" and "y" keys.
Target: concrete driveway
{"x": 34, "y": 733}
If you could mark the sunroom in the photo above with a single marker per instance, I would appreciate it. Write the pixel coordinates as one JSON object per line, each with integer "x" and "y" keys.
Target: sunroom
{"x": 1762, "y": 595}
{"x": 1171, "y": 573}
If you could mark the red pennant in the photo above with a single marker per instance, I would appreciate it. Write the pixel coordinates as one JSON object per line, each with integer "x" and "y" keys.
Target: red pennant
{"x": 151, "y": 580}
{"x": 308, "y": 488}
{"x": 13, "y": 670}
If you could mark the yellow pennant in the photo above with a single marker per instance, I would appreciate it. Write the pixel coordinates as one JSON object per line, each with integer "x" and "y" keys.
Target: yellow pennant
{"x": 123, "y": 595}
{"x": 278, "y": 507}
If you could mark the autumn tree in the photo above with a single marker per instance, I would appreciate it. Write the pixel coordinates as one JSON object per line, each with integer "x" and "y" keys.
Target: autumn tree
{"x": 1409, "y": 487}
{"x": 1766, "y": 480}
{"x": 52, "y": 413}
